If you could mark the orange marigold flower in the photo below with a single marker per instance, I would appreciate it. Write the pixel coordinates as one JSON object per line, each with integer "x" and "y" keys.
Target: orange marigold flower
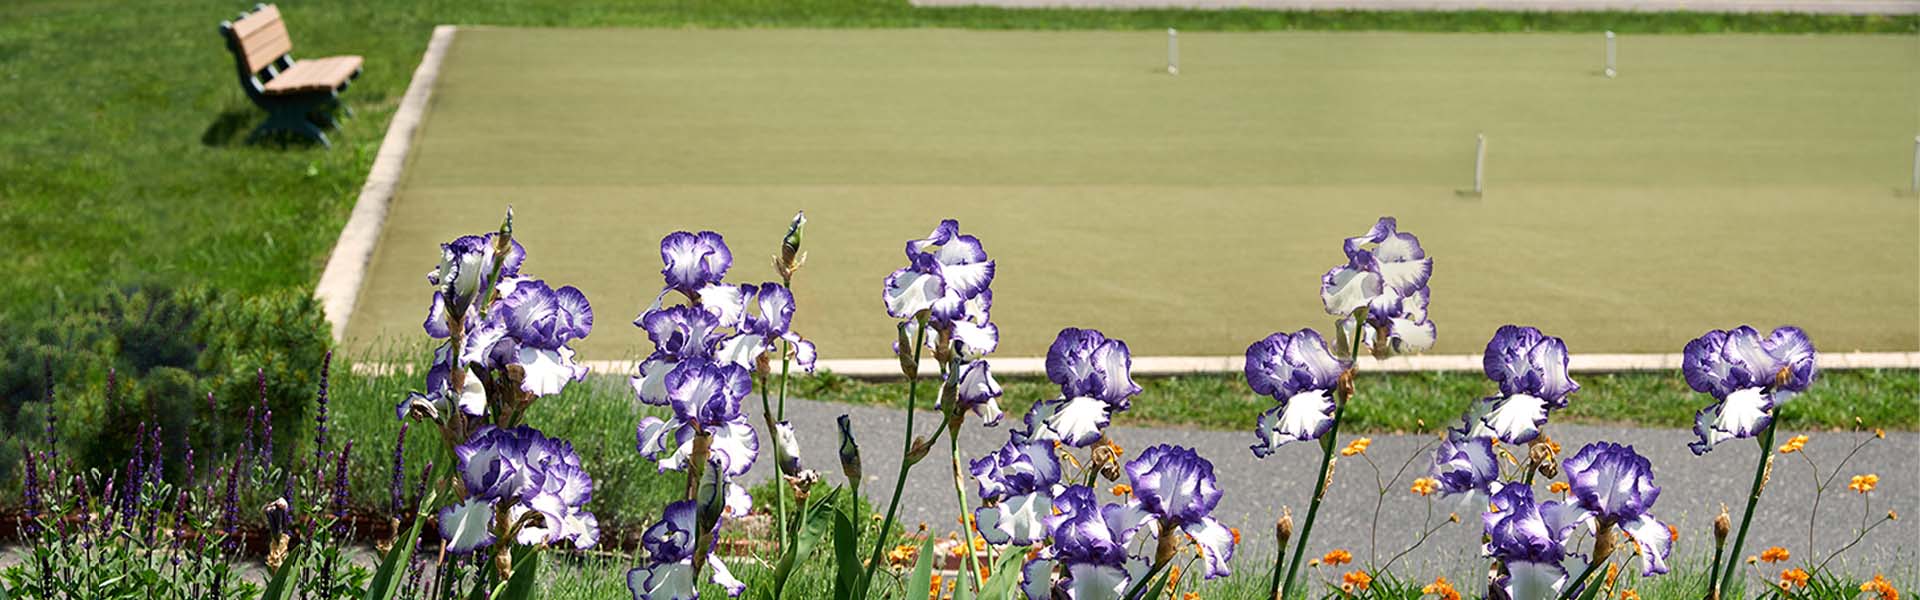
{"x": 1558, "y": 487}
{"x": 1425, "y": 486}
{"x": 1629, "y": 594}
{"x": 1794, "y": 577}
{"x": 933, "y": 588}
{"x": 1879, "y": 433}
{"x": 1358, "y": 446}
{"x": 1121, "y": 489}
{"x": 1796, "y": 444}
{"x": 1190, "y": 596}
{"x": 1864, "y": 483}
{"x": 1776, "y": 554}
{"x": 902, "y": 555}
{"x": 1442, "y": 588}
{"x": 1881, "y": 588}
{"x": 1337, "y": 557}
{"x": 1236, "y": 535}
{"x": 1358, "y": 579}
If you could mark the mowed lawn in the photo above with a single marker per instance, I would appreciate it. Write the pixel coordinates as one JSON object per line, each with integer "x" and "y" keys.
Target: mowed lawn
{"x": 1721, "y": 179}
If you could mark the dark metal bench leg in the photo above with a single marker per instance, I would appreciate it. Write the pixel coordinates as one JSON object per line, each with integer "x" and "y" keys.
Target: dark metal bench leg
{"x": 290, "y": 119}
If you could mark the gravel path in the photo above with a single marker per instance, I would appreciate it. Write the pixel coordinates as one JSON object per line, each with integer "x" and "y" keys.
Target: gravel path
{"x": 1692, "y": 488}
{"x": 1834, "y": 7}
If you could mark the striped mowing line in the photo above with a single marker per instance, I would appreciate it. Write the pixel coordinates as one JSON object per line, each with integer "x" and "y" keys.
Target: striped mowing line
{"x": 346, "y": 269}
{"x": 1145, "y": 366}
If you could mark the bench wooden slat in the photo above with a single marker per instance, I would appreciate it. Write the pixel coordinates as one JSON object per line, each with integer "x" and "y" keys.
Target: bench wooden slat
{"x": 263, "y": 36}
{"x": 314, "y": 74}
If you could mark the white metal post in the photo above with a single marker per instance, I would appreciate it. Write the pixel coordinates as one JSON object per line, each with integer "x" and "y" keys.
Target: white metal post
{"x": 1480, "y": 165}
{"x": 1610, "y": 56}
{"x": 1173, "y": 52}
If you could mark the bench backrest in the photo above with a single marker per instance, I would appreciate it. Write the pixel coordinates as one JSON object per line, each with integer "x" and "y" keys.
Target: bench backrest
{"x": 258, "y": 40}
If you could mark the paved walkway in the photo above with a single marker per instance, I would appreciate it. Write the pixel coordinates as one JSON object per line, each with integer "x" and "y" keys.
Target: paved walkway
{"x": 1829, "y": 7}
{"x": 1692, "y": 488}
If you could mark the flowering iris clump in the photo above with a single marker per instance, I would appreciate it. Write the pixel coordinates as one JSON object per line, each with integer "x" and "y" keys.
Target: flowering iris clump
{"x": 1090, "y": 547}
{"x": 536, "y": 478}
{"x": 1093, "y": 545}
{"x": 1095, "y": 375}
{"x": 945, "y": 283}
{"x": 507, "y": 335}
{"x": 721, "y": 323}
{"x": 1531, "y": 368}
{"x": 1748, "y": 376}
{"x": 1017, "y": 486}
{"x": 671, "y": 543}
{"x": 1613, "y": 486}
{"x": 1529, "y": 539}
{"x": 1296, "y": 370}
{"x": 1386, "y": 274}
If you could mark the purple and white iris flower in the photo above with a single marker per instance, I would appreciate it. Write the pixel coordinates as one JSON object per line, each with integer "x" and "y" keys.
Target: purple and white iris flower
{"x": 668, "y": 573}
{"x": 694, "y": 260}
{"x": 1613, "y": 485}
{"x": 1466, "y": 465}
{"x": 1386, "y": 273}
{"x": 526, "y": 324}
{"x": 1297, "y": 371}
{"x": 438, "y": 404}
{"x": 704, "y": 396}
{"x": 1090, "y": 545}
{"x": 524, "y": 472}
{"x": 947, "y": 278}
{"x": 1748, "y": 376}
{"x": 1095, "y": 374}
{"x": 1531, "y": 368}
{"x": 466, "y": 268}
{"x": 1177, "y": 487}
{"x": 947, "y": 275}
{"x": 724, "y": 323}
{"x": 1530, "y": 539}
{"x": 530, "y": 326}
{"x": 1017, "y": 486}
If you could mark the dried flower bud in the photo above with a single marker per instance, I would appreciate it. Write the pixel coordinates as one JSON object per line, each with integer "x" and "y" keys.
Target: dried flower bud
{"x": 921, "y": 446}
{"x": 1721, "y": 525}
{"x": 1283, "y": 530}
{"x": 903, "y": 348}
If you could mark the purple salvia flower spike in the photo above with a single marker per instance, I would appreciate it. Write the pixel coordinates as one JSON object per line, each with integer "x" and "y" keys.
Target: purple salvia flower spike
{"x": 399, "y": 470}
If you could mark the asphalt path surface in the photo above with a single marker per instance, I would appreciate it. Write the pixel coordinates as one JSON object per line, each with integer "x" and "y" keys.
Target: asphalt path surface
{"x": 1692, "y": 488}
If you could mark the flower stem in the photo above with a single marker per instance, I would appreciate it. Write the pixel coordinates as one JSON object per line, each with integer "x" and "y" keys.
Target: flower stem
{"x": 1342, "y": 395}
{"x": 1753, "y": 499}
{"x": 966, "y": 516}
{"x": 779, "y": 487}
{"x": 906, "y": 462}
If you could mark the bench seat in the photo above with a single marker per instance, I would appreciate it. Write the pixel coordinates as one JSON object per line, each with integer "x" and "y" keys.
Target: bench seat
{"x": 314, "y": 75}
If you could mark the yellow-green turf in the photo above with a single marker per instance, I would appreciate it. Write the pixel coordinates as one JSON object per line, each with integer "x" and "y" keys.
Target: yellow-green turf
{"x": 1718, "y": 180}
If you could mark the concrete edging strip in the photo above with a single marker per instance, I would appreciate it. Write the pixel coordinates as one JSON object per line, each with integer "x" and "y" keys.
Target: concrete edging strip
{"x": 339, "y": 286}
{"x": 887, "y": 368}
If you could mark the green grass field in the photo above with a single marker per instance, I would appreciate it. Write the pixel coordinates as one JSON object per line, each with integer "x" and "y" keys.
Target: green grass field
{"x": 1718, "y": 180}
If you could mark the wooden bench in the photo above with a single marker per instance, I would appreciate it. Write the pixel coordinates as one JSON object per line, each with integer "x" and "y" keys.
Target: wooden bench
{"x": 299, "y": 96}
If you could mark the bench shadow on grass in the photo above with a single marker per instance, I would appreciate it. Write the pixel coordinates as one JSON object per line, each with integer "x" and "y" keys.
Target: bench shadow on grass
{"x": 233, "y": 126}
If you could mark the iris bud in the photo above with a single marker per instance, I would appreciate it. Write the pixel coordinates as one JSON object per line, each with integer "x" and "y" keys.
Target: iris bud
{"x": 849, "y": 451}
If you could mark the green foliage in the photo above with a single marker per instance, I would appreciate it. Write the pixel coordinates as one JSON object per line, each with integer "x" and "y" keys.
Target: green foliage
{"x": 1403, "y": 401}
{"x": 166, "y": 349}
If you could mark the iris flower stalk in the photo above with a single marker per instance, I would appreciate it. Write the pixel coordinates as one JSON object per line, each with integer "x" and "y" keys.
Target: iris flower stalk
{"x": 1328, "y": 445}
{"x": 1748, "y": 376}
{"x": 909, "y": 455}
